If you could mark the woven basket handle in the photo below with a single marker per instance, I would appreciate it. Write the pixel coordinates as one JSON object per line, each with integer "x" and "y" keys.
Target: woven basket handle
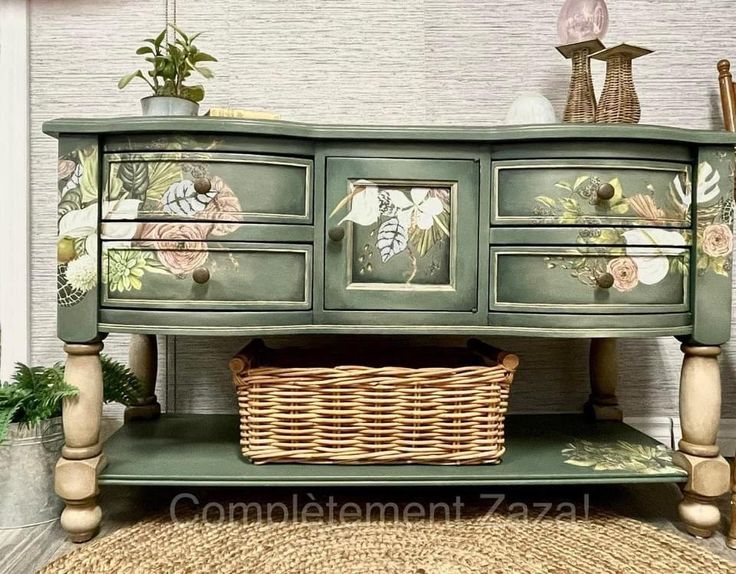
{"x": 498, "y": 356}
{"x": 248, "y": 357}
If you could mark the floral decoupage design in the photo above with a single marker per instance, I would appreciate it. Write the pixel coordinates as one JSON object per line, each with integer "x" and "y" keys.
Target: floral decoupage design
{"x": 177, "y": 248}
{"x": 411, "y": 224}
{"x": 627, "y": 266}
{"x": 620, "y": 455}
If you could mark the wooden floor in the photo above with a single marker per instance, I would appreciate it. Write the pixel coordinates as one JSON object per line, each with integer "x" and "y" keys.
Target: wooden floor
{"x": 24, "y": 551}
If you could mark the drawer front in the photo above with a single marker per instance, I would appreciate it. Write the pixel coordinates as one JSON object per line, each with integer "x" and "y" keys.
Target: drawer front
{"x": 576, "y": 192}
{"x": 574, "y": 280}
{"x": 189, "y": 274}
{"x": 208, "y": 187}
{"x": 401, "y": 234}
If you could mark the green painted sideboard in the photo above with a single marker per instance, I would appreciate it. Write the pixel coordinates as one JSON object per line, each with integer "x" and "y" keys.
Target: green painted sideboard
{"x": 205, "y": 226}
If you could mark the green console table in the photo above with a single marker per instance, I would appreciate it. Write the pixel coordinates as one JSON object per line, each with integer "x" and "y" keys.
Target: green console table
{"x": 204, "y": 226}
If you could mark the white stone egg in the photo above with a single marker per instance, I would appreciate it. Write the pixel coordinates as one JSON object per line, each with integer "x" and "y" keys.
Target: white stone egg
{"x": 531, "y": 109}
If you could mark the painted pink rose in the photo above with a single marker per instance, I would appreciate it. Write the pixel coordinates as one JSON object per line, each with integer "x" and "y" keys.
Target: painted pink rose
{"x": 717, "y": 240}
{"x": 225, "y": 206}
{"x": 66, "y": 168}
{"x": 180, "y": 247}
{"x": 625, "y": 273}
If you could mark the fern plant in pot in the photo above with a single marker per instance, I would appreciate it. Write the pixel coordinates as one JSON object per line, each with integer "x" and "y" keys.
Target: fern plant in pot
{"x": 31, "y": 436}
{"x": 172, "y": 66}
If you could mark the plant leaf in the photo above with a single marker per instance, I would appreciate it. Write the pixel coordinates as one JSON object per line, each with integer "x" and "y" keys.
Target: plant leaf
{"x": 144, "y": 50}
{"x": 194, "y": 93}
{"x": 392, "y": 239}
{"x": 134, "y": 177}
{"x": 206, "y": 72}
{"x": 125, "y": 80}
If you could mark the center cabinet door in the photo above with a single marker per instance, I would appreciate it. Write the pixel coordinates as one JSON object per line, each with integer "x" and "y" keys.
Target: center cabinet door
{"x": 401, "y": 234}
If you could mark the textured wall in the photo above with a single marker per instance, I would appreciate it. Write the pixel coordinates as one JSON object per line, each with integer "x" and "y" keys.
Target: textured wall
{"x": 374, "y": 61}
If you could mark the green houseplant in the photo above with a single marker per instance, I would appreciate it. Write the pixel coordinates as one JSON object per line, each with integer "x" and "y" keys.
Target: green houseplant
{"x": 31, "y": 436}
{"x": 171, "y": 67}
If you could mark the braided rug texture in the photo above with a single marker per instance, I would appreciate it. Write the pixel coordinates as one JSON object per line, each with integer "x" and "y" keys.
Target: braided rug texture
{"x": 603, "y": 543}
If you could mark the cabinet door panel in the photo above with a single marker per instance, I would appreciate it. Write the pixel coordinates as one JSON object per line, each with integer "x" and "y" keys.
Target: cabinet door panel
{"x": 401, "y": 234}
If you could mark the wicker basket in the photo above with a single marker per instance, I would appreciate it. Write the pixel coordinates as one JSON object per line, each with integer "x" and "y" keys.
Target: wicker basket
{"x": 439, "y": 406}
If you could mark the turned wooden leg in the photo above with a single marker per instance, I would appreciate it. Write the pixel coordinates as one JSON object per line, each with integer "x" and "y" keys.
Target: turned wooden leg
{"x": 731, "y": 538}
{"x": 700, "y": 413}
{"x": 602, "y": 404}
{"x": 143, "y": 361}
{"x": 81, "y": 456}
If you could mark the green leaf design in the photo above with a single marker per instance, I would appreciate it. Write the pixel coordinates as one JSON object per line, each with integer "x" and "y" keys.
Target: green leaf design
{"x": 160, "y": 177}
{"x": 546, "y": 200}
{"x": 134, "y": 178}
{"x": 88, "y": 182}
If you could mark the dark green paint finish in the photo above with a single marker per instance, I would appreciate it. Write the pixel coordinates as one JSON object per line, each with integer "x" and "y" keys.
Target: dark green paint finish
{"x": 78, "y": 323}
{"x": 563, "y": 236}
{"x": 241, "y": 276}
{"x": 389, "y": 313}
{"x": 712, "y": 290}
{"x": 453, "y": 287}
{"x": 275, "y": 323}
{"x": 221, "y": 126}
{"x": 523, "y": 280}
{"x": 269, "y": 189}
{"x": 518, "y": 184}
{"x": 189, "y": 450}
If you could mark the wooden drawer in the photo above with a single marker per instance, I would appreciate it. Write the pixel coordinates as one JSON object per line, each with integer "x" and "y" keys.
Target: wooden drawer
{"x": 572, "y": 192}
{"x": 566, "y": 279}
{"x": 188, "y": 274}
{"x": 209, "y": 187}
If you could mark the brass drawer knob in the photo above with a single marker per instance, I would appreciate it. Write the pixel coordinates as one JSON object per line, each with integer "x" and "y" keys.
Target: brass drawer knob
{"x": 201, "y": 275}
{"x": 605, "y": 191}
{"x": 336, "y": 233}
{"x": 202, "y": 185}
{"x": 604, "y": 280}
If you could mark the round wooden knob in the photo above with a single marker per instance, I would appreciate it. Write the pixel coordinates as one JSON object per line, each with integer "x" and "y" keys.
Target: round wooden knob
{"x": 605, "y": 191}
{"x": 201, "y": 275}
{"x": 604, "y": 281}
{"x": 202, "y": 185}
{"x": 336, "y": 233}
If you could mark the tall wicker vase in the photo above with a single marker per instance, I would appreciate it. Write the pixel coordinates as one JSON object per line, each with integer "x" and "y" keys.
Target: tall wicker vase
{"x": 619, "y": 103}
{"x": 581, "y": 105}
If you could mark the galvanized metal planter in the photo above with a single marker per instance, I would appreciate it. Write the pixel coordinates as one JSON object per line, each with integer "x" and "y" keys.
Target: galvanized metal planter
{"x": 168, "y": 106}
{"x": 27, "y": 460}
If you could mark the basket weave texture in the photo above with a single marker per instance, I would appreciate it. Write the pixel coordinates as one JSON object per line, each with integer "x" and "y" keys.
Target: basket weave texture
{"x": 371, "y": 414}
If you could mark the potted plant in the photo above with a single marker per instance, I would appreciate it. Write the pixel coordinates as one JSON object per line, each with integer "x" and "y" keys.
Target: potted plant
{"x": 31, "y": 436}
{"x": 171, "y": 66}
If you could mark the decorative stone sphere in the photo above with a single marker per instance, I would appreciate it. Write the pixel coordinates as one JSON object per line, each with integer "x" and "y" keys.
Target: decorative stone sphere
{"x": 531, "y": 109}
{"x": 582, "y": 20}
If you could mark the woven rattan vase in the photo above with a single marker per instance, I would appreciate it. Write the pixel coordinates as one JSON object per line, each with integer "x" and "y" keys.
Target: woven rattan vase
{"x": 581, "y": 105}
{"x": 619, "y": 103}
{"x": 429, "y": 406}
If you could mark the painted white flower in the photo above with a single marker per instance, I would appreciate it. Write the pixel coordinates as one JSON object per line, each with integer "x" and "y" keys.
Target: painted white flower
{"x": 82, "y": 223}
{"x": 372, "y": 202}
{"x": 652, "y": 268}
{"x": 81, "y": 273}
{"x": 708, "y": 188}
{"x": 426, "y": 207}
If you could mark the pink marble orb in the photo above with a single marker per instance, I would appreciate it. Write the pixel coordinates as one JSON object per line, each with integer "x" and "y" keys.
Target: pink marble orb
{"x": 582, "y": 20}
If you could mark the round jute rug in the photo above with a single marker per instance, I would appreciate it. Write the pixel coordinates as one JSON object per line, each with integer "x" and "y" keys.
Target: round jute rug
{"x": 601, "y": 543}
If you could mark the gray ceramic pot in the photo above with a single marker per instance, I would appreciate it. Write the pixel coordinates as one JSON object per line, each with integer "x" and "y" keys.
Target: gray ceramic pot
{"x": 168, "y": 106}
{"x": 27, "y": 460}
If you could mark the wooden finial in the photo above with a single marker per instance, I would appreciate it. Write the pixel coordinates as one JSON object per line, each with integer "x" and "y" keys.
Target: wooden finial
{"x": 724, "y": 67}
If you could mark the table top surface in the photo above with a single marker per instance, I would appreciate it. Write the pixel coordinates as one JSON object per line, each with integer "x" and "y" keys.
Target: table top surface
{"x": 206, "y": 124}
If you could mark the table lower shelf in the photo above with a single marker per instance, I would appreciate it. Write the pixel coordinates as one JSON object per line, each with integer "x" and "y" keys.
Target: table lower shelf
{"x": 203, "y": 450}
